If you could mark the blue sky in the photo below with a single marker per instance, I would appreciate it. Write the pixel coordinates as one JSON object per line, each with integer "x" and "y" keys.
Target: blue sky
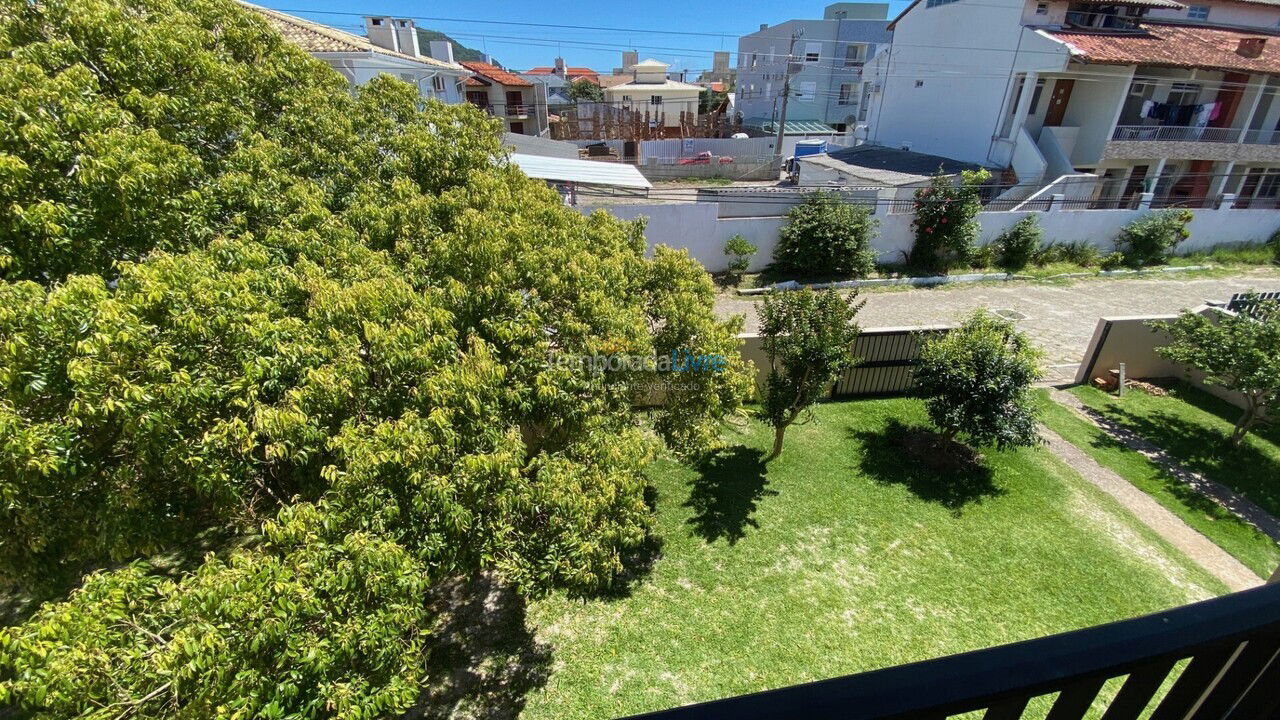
{"x": 524, "y": 47}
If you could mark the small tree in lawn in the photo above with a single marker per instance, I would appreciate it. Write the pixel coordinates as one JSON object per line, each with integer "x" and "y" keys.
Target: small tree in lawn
{"x": 977, "y": 380}
{"x": 808, "y": 337}
{"x": 1239, "y": 352}
{"x": 945, "y": 222}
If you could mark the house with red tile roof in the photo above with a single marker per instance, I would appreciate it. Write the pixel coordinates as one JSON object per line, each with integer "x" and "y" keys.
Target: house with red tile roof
{"x": 567, "y": 72}
{"x": 506, "y": 95}
{"x": 1133, "y": 102}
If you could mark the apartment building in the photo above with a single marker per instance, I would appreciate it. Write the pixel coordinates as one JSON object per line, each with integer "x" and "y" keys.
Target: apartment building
{"x": 1147, "y": 95}
{"x": 827, "y": 58}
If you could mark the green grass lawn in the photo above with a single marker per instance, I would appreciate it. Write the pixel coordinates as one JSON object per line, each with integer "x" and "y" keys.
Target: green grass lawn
{"x": 1237, "y": 537}
{"x": 1192, "y": 426}
{"x": 846, "y": 555}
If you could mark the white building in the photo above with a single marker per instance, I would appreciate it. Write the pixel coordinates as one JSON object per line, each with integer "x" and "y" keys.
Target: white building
{"x": 826, "y": 69}
{"x": 1149, "y": 95}
{"x": 391, "y": 48}
{"x": 648, "y": 88}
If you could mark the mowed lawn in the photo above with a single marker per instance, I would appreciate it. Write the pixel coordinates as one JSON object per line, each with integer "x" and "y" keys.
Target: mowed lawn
{"x": 1143, "y": 413}
{"x": 846, "y": 555}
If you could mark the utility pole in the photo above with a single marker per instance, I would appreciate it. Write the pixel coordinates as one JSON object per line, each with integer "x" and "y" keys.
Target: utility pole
{"x": 786, "y": 94}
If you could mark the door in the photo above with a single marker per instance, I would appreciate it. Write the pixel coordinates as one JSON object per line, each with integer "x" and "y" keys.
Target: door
{"x": 1229, "y": 96}
{"x": 515, "y": 103}
{"x": 1058, "y": 102}
{"x": 517, "y": 128}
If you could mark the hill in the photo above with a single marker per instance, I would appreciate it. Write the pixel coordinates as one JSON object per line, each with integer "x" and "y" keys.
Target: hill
{"x": 460, "y": 52}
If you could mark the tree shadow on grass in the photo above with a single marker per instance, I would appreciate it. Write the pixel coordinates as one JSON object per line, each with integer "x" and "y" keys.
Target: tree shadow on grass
{"x": 483, "y": 659}
{"x": 1199, "y": 448}
{"x": 725, "y": 494}
{"x": 933, "y": 468}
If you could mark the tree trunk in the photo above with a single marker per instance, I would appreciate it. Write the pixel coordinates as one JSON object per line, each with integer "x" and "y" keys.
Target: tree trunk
{"x": 778, "y": 432}
{"x": 1245, "y": 422}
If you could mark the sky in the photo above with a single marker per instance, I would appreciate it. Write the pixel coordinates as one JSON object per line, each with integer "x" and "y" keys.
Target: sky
{"x": 710, "y": 25}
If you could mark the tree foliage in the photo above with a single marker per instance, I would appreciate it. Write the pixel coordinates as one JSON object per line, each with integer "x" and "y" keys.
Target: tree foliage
{"x": 583, "y": 90}
{"x": 945, "y": 221}
{"x": 826, "y": 237}
{"x": 740, "y": 251}
{"x": 240, "y": 297}
{"x": 977, "y": 380}
{"x": 1239, "y": 352}
{"x": 809, "y": 338}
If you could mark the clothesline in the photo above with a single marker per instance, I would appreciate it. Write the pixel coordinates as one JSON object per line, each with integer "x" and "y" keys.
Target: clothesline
{"x": 1198, "y": 115}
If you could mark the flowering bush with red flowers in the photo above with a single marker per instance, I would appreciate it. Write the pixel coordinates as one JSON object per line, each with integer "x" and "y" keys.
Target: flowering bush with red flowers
{"x": 946, "y": 224}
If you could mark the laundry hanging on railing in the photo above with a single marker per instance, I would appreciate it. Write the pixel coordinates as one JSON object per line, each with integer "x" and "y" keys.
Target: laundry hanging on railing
{"x": 1198, "y": 115}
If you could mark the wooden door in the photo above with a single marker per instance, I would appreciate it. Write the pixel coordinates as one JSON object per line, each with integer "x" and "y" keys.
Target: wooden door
{"x": 1058, "y": 102}
{"x": 1229, "y": 95}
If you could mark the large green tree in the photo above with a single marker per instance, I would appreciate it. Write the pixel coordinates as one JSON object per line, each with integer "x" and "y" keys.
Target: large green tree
{"x": 243, "y": 301}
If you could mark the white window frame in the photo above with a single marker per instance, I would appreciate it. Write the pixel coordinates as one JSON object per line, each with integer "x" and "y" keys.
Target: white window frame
{"x": 655, "y": 99}
{"x": 812, "y": 52}
{"x": 846, "y": 94}
{"x": 808, "y": 91}
{"x": 855, "y": 54}
{"x": 437, "y": 83}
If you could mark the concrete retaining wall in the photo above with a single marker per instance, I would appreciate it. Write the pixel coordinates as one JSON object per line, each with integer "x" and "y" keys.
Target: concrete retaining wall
{"x": 702, "y": 228}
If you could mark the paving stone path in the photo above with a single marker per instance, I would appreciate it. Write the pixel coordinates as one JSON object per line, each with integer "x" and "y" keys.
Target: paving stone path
{"x": 1059, "y": 317}
{"x": 1239, "y": 505}
{"x": 1197, "y": 547}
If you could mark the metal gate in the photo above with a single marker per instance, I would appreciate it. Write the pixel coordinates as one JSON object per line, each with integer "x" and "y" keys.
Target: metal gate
{"x": 889, "y": 358}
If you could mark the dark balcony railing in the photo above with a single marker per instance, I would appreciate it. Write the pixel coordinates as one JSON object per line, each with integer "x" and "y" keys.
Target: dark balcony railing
{"x": 1233, "y": 674}
{"x": 1176, "y": 133}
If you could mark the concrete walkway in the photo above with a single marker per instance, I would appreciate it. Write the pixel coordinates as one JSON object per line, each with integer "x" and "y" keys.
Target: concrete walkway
{"x": 1235, "y": 503}
{"x": 1199, "y": 548}
{"x": 1059, "y": 317}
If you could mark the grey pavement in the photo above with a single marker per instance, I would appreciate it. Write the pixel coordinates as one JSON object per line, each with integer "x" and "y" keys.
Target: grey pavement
{"x": 1059, "y": 317}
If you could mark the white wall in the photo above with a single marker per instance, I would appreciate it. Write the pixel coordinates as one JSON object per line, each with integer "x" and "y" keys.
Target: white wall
{"x": 964, "y": 53}
{"x": 360, "y": 69}
{"x": 698, "y": 228}
{"x": 1227, "y": 13}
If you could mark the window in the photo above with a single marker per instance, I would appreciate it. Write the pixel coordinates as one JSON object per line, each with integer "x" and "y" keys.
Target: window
{"x": 936, "y": 3}
{"x": 754, "y": 59}
{"x": 807, "y": 91}
{"x": 655, "y": 99}
{"x": 403, "y": 23}
{"x": 437, "y": 84}
{"x": 626, "y": 98}
{"x": 919, "y": 83}
{"x": 855, "y": 55}
{"x": 1198, "y": 12}
{"x": 812, "y": 52}
{"x": 1042, "y": 8}
{"x": 1183, "y": 93}
{"x": 1035, "y": 97}
{"x": 846, "y": 92}
{"x": 376, "y": 22}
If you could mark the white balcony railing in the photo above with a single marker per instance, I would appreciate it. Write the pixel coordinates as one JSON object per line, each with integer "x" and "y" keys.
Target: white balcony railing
{"x": 1176, "y": 133}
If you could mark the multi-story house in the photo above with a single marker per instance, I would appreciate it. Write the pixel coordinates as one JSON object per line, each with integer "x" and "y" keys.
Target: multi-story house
{"x": 1148, "y": 95}
{"x": 827, "y": 58}
{"x": 647, "y": 88}
{"x": 391, "y": 48}
{"x": 508, "y": 96}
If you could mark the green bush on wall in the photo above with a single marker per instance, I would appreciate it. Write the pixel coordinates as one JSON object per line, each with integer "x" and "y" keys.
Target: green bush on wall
{"x": 1015, "y": 247}
{"x": 1148, "y": 240}
{"x": 826, "y": 237}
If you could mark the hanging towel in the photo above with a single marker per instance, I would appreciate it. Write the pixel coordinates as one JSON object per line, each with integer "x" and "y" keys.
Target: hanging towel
{"x": 1148, "y": 106}
{"x": 1217, "y": 111}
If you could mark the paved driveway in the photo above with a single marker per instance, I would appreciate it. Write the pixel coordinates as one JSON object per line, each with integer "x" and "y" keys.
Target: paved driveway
{"x": 1060, "y": 317}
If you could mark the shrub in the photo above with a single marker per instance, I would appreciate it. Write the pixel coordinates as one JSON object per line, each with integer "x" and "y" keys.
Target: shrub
{"x": 808, "y": 337}
{"x": 826, "y": 237}
{"x": 1274, "y": 243}
{"x": 1016, "y": 246}
{"x": 1148, "y": 240}
{"x": 977, "y": 380}
{"x": 945, "y": 222}
{"x": 740, "y": 252}
{"x": 1077, "y": 253}
{"x": 1113, "y": 261}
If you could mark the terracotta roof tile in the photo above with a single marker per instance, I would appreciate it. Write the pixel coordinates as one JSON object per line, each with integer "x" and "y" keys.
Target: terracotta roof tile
{"x": 571, "y": 73}
{"x": 496, "y": 74}
{"x": 1175, "y": 46}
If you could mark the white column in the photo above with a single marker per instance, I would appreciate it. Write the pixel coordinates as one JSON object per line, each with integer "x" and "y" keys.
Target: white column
{"x": 1155, "y": 176}
{"x": 1024, "y": 105}
{"x": 1220, "y": 182}
{"x": 1253, "y": 107}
